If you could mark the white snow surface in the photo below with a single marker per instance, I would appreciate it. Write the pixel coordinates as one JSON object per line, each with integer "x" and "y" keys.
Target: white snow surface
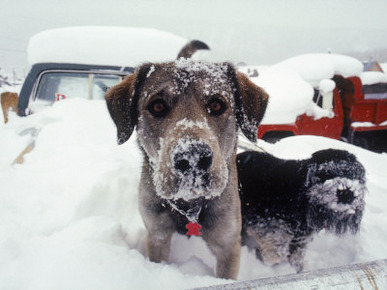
{"x": 104, "y": 45}
{"x": 69, "y": 215}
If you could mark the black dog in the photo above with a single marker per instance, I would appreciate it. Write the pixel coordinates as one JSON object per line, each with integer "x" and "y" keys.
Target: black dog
{"x": 284, "y": 202}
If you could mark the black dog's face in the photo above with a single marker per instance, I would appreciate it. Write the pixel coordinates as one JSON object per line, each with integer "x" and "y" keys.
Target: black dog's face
{"x": 335, "y": 189}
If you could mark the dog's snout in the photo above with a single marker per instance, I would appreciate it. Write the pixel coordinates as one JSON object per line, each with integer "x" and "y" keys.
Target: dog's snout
{"x": 194, "y": 157}
{"x": 345, "y": 196}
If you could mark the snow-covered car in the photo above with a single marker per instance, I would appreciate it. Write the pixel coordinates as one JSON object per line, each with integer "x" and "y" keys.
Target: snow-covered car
{"x": 86, "y": 61}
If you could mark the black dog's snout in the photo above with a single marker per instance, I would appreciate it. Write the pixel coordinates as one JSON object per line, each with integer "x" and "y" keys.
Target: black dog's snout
{"x": 345, "y": 196}
{"x": 195, "y": 157}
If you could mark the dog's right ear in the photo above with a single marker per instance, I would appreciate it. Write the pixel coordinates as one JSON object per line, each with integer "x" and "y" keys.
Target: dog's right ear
{"x": 119, "y": 101}
{"x": 122, "y": 101}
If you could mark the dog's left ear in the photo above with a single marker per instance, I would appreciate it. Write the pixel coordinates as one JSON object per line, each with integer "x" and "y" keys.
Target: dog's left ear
{"x": 251, "y": 102}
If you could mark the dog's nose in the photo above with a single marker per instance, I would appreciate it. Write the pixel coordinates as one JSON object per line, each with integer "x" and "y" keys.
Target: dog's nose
{"x": 345, "y": 196}
{"x": 194, "y": 157}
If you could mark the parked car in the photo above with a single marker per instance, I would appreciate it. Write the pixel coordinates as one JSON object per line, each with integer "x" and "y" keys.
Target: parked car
{"x": 47, "y": 83}
{"x": 86, "y": 61}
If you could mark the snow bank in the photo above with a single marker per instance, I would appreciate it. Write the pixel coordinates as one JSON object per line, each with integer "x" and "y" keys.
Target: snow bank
{"x": 103, "y": 45}
{"x": 69, "y": 215}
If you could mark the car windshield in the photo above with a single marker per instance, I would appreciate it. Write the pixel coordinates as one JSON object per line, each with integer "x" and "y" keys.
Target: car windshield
{"x": 56, "y": 86}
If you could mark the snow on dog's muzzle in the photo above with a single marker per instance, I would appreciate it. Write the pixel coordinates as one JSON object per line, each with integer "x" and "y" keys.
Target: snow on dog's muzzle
{"x": 339, "y": 194}
{"x": 192, "y": 160}
{"x": 192, "y": 157}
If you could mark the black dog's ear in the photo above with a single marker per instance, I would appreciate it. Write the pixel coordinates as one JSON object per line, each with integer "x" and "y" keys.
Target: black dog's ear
{"x": 122, "y": 102}
{"x": 251, "y": 102}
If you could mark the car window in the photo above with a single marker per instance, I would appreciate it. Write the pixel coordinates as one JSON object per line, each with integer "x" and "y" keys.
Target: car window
{"x": 57, "y": 86}
{"x": 375, "y": 91}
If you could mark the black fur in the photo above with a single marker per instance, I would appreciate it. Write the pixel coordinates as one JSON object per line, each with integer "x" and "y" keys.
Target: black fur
{"x": 299, "y": 197}
{"x": 191, "y": 47}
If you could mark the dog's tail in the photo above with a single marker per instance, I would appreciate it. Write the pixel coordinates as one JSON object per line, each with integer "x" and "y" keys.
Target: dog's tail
{"x": 337, "y": 204}
{"x": 191, "y": 47}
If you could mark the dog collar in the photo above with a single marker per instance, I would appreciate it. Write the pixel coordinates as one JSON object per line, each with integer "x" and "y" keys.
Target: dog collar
{"x": 192, "y": 215}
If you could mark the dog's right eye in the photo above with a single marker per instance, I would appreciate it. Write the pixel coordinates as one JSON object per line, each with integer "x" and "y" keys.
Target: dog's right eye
{"x": 158, "y": 108}
{"x": 216, "y": 106}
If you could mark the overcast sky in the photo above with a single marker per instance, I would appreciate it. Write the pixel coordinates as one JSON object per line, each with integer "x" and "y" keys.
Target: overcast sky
{"x": 252, "y": 31}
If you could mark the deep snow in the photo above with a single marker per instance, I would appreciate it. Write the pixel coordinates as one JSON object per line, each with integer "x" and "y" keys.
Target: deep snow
{"x": 69, "y": 217}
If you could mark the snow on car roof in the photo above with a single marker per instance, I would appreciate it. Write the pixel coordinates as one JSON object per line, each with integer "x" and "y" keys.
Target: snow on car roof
{"x": 373, "y": 77}
{"x": 317, "y": 66}
{"x": 102, "y": 45}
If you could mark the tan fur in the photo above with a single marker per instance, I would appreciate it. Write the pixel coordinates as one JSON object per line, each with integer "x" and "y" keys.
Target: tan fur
{"x": 187, "y": 90}
{"x": 8, "y": 102}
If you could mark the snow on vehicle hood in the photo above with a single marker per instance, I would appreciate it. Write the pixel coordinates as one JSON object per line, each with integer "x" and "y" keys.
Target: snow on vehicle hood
{"x": 121, "y": 46}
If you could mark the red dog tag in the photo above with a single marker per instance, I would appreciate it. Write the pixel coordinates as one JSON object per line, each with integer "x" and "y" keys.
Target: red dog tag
{"x": 193, "y": 229}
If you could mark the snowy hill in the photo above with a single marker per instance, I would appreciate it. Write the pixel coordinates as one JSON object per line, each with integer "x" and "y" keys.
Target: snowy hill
{"x": 69, "y": 217}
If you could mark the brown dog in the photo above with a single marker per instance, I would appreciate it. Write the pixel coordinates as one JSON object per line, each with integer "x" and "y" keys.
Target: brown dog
{"x": 8, "y": 102}
{"x": 187, "y": 116}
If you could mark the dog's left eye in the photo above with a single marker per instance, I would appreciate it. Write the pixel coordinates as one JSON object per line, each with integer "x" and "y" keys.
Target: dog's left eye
{"x": 158, "y": 108}
{"x": 216, "y": 106}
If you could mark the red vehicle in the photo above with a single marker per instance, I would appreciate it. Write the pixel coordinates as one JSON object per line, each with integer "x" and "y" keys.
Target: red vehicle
{"x": 358, "y": 116}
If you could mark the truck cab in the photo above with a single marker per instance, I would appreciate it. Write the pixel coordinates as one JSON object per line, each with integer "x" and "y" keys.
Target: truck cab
{"x": 343, "y": 102}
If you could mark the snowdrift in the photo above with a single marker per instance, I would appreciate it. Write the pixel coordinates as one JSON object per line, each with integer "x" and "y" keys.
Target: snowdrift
{"x": 69, "y": 217}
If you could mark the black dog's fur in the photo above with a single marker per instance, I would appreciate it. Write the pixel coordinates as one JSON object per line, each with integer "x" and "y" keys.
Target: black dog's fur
{"x": 285, "y": 201}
